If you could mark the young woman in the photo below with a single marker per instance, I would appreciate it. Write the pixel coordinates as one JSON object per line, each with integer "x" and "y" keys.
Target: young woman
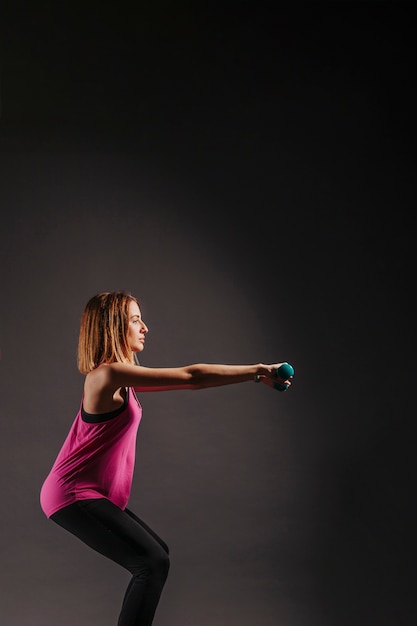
{"x": 88, "y": 487}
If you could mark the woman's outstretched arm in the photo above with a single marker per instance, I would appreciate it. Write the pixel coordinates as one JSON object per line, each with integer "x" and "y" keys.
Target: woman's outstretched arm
{"x": 196, "y": 376}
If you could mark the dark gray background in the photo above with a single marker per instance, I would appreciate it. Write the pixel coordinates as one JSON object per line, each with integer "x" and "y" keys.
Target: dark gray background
{"x": 250, "y": 176}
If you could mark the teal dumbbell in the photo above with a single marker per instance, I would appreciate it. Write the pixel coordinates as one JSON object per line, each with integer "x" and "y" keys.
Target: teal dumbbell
{"x": 285, "y": 371}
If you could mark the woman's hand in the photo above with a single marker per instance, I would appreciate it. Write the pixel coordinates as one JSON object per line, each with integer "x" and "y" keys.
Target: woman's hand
{"x": 273, "y": 380}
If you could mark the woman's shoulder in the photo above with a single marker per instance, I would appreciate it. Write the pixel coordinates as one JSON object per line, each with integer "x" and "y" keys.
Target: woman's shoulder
{"x": 98, "y": 376}
{"x": 100, "y": 393}
{"x": 109, "y": 376}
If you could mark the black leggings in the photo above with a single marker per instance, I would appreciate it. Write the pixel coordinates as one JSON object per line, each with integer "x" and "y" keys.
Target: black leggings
{"x": 123, "y": 538}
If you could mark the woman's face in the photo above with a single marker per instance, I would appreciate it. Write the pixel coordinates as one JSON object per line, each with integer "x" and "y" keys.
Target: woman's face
{"x": 137, "y": 328}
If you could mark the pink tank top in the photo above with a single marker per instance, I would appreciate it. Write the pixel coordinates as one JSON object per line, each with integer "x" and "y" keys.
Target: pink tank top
{"x": 96, "y": 460}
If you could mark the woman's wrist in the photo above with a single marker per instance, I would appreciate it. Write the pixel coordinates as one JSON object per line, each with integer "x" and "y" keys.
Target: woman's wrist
{"x": 261, "y": 371}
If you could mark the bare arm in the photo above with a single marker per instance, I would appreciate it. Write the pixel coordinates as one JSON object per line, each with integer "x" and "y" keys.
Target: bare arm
{"x": 102, "y": 385}
{"x": 197, "y": 376}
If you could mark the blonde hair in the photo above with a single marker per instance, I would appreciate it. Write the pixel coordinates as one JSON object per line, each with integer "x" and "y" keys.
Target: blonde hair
{"x": 103, "y": 331}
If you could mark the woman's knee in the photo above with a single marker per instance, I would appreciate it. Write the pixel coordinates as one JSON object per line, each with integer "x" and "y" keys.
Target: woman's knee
{"x": 152, "y": 565}
{"x": 162, "y": 564}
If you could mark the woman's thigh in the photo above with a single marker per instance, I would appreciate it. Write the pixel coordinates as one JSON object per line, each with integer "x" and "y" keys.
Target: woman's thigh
{"x": 149, "y": 530}
{"x": 114, "y": 533}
